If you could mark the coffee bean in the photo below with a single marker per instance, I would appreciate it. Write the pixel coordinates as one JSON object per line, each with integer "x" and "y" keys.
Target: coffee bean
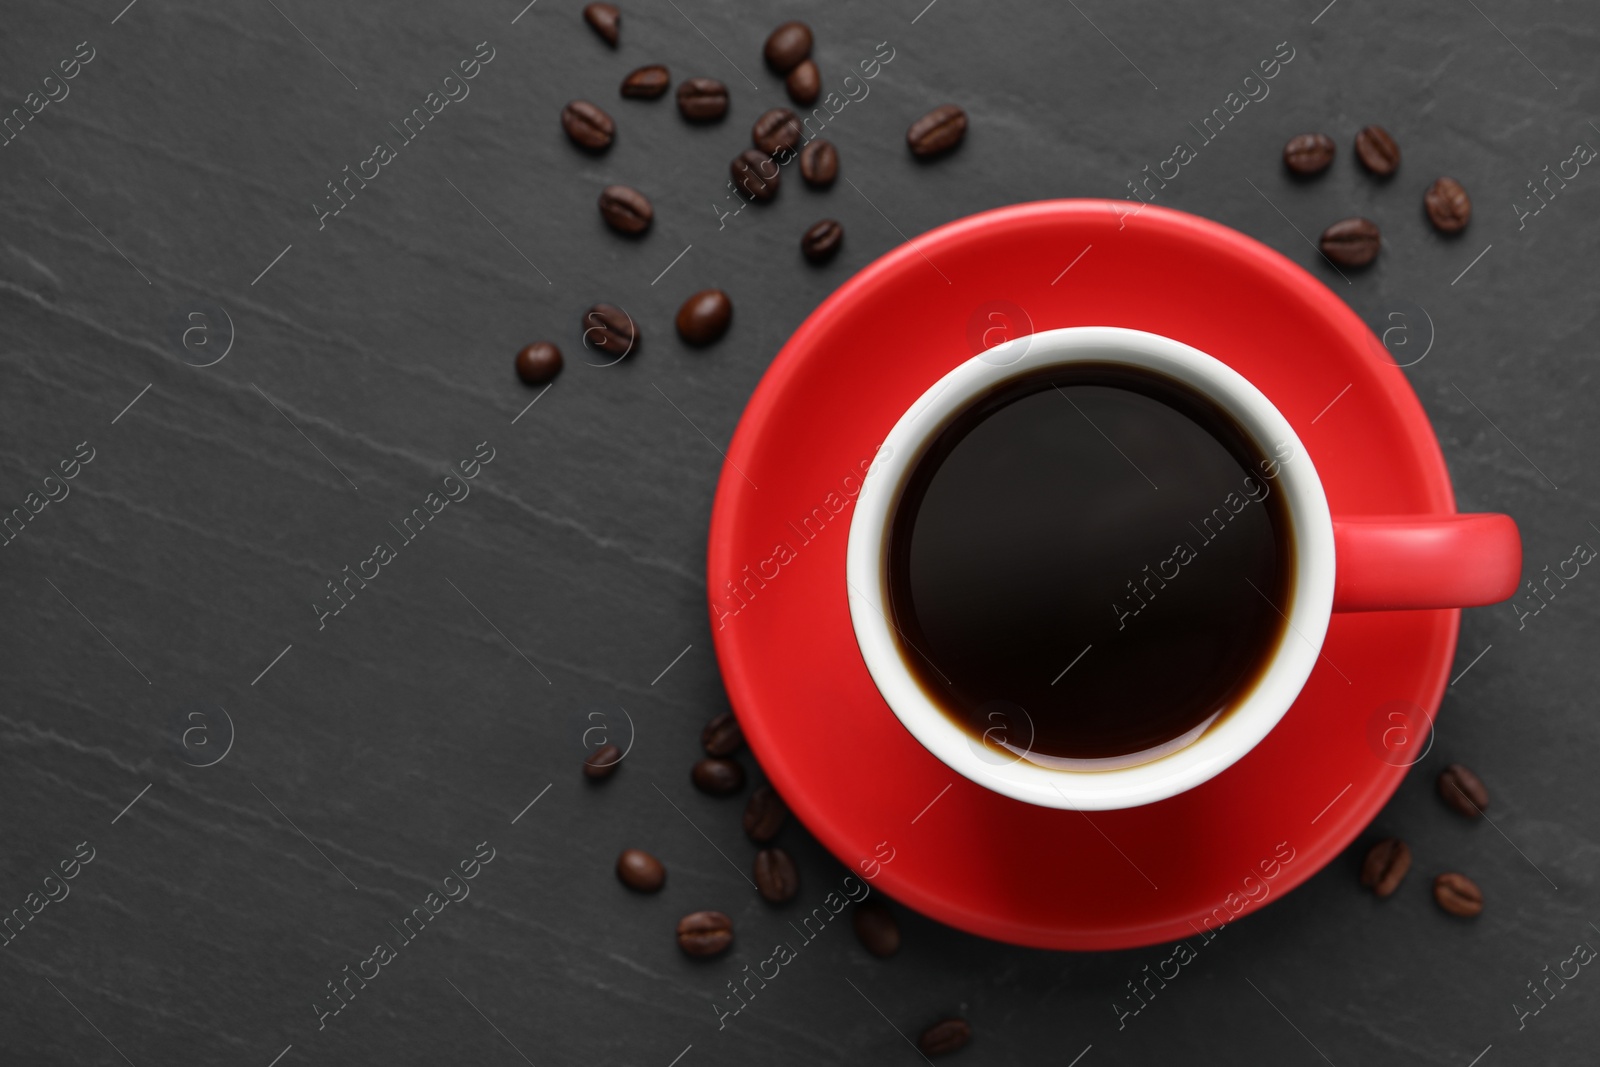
{"x": 1377, "y": 151}
{"x": 777, "y": 880}
{"x": 625, "y": 210}
{"x": 704, "y": 317}
{"x": 804, "y": 83}
{"x": 776, "y": 130}
{"x": 938, "y": 131}
{"x": 602, "y": 762}
{"x": 1386, "y": 864}
{"x": 1309, "y": 153}
{"x": 719, "y": 777}
{"x": 1457, "y": 894}
{"x": 538, "y": 363}
{"x": 788, "y": 45}
{"x": 1351, "y": 242}
{"x": 705, "y": 933}
{"x": 820, "y": 243}
{"x": 606, "y": 20}
{"x": 587, "y": 125}
{"x": 608, "y": 328}
{"x": 702, "y": 99}
{"x": 1449, "y": 207}
{"x": 647, "y": 83}
{"x": 721, "y": 736}
{"x": 755, "y": 174}
{"x": 819, "y": 163}
{"x": 1463, "y": 790}
{"x": 876, "y": 928}
{"x": 764, "y": 815}
{"x": 944, "y": 1037}
{"x": 640, "y": 871}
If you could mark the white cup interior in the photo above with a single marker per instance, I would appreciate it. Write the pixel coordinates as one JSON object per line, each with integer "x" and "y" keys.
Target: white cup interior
{"x": 1092, "y": 785}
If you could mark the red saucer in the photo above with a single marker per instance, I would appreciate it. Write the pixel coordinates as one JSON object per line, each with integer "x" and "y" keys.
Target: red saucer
{"x": 850, "y": 771}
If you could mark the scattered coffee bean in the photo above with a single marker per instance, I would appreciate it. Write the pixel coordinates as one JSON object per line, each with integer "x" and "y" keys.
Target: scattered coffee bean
{"x": 1463, "y": 790}
{"x": 1309, "y": 153}
{"x": 819, "y": 163}
{"x": 1351, "y": 242}
{"x": 719, "y": 777}
{"x": 938, "y": 131}
{"x": 705, "y": 933}
{"x": 1458, "y": 894}
{"x": 647, "y": 83}
{"x": 1377, "y": 151}
{"x": 820, "y": 243}
{"x": 1449, "y": 207}
{"x": 876, "y": 928}
{"x": 776, "y": 130}
{"x": 1385, "y": 866}
{"x": 608, "y": 328}
{"x": 943, "y": 1037}
{"x": 755, "y": 174}
{"x": 721, "y": 736}
{"x": 606, "y": 19}
{"x": 602, "y": 762}
{"x": 625, "y": 210}
{"x": 538, "y": 363}
{"x": 704, "y": 318}
{"x": 788, "y": 45}
{"x": 587, "y": 125}
{"x": 764, "y": 815}
{"x": 640, "y": 871}
{"x": 702, "y": 99}
{"x": 777, "y": 880}
{"x": 804, "y": 83}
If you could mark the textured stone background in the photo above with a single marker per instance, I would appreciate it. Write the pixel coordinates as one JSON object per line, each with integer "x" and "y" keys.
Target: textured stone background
{"x": 376, "y": 753}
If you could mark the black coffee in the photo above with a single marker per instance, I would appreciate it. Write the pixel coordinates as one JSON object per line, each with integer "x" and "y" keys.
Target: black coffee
{"x": 1089, "y": 563}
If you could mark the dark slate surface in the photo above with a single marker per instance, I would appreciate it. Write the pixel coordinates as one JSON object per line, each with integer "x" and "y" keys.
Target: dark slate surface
{"x": 375, "y": 353}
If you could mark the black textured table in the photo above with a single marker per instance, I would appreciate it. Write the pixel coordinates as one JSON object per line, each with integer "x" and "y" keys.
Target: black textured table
{"x": 254, "y": 378}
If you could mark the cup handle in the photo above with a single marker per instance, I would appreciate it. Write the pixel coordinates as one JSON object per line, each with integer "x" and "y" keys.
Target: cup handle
{"x": 1392, "y": 562}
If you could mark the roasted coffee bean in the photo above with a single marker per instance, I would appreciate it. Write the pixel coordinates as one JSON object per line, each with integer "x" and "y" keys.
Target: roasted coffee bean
{"x": 804, "y": 83}
{"x": 788, "y": 45}
{"x": 647, "y": 83}
{"x": 538, "y": 363}
{"x": 1386, "y": 864}
{"x": 587, "y": 125}
{"x": 721, "y": 736}
{"x": 1449, "y": 207}
{"x": 776, "y": 130}
{"x": 755, "y": 174}
{"x": 1309, "y": 153}
{"x": 602, "y": 762}
{"x": 1351, "y": 242}
{"x": 1377, "y": 151}
{"x": 704, "y": 318}
{"x": 764, "y": 815}
{"x": 625, "y": 210}
{"x": 1458, "y": 894}
{"x": 938, "y": 131}
{"x": 705, "y": 933}
{"x": 877, "y": 929}
{"x": 719, "y": 777}
{"x": 820, "y": 243}
{"x": 702, "y": 99}
{"x": 777, "y": 880}
{"x": 1463, "y": 790}
{"x": 947, "y": 1036}
{"x": 608, "y": 328}
{"x": 640, "y": 871}
{"x": 819, "y": 163}
{"x": 606, "y": 20}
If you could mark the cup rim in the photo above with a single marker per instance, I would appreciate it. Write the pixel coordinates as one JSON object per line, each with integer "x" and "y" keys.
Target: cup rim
{"x": 1223, "y": 743}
